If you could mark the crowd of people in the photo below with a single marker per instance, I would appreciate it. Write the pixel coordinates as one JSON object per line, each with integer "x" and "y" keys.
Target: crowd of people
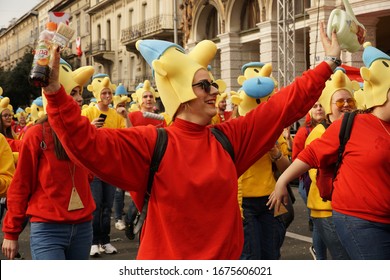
{"x": 64, "y": 171}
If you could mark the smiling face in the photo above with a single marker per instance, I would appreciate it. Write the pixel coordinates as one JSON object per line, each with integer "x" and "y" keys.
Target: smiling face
{"x": 201, "y": 109}
{"x": 347, "y": 106}
{"x": 6, "y": 118}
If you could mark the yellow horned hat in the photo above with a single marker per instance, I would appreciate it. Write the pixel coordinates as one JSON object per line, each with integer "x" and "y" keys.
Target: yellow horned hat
{"x": 70, "y": 79}
{"x": 338, "y": 81}
{"x": 140, "y": 89}
{"x": 174, "y": 70}
{"x": 100, "y": 82}
{"x": 376, "y": 76}
{"x": 4, "y": 104}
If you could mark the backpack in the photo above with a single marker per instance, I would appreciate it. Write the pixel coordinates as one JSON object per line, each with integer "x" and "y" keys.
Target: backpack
{"x": 326, "y": 175}
{"x": 158, "y": 153}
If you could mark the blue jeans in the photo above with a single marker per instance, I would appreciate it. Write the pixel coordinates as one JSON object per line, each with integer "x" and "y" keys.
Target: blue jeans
{"x": 263, "y": 233}
{"x": 119, "y": 203}
{"x": 103, "y": 194}
{"x": 318, "y": 244}
{"x": 49, "y": 241}
{"x": 328, "y": 234}
{"x": 363, "y": 240}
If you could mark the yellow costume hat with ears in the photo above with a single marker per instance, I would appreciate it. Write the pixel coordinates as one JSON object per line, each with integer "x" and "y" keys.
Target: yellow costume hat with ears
{"x": 174, "y": 70}
{"x": 4, "y": 104}
{"x": 140, "y": 89}
{"x": 21, "y": 113}
{"x": 376, "y": 76}
{"x": 220, "y": 97}
{"x": 70, "y": 79}
{"x": 257, "y": 86}
{"x": 100, "y": 82}
{"x": 117, "y": 99}
{"x": 338, "y": 81}
{"x": 1, "y": 92}
{"x": 37, "y": 110}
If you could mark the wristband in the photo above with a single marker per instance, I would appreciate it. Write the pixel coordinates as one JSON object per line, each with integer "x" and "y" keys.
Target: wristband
{"x": 278, "y": 157}
{"x": 335, "y": 60}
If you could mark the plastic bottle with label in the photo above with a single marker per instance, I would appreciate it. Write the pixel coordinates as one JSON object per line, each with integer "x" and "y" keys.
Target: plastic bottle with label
{"x": 40, "y": 71}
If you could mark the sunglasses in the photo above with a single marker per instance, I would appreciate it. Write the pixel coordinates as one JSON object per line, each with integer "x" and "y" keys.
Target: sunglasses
{"x": 206, "y": 85}
{"x": 350, "y": 101}
{"x": 6, "y": 116}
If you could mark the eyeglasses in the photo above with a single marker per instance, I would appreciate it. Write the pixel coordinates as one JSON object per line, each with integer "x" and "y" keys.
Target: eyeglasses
{"x": 350, "y": 101}
{"x": 6, "y": 116}
{"x": 206, "y": 85}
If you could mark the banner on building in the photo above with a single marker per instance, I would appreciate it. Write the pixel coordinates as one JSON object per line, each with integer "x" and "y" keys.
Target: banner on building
{"x": 58, "y": 17}
{"x": 79, "y": 52}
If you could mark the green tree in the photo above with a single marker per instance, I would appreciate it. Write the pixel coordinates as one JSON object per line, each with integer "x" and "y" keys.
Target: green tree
{"x": 15, "y": 83}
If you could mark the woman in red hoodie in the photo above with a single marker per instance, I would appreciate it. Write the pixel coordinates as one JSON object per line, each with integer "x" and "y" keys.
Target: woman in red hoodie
{"x": 51, "y": 190}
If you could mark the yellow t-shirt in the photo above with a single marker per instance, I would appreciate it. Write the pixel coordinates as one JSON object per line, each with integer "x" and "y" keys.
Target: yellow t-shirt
{"x": 319, "y": 208}
{"x": 113, "y": 120}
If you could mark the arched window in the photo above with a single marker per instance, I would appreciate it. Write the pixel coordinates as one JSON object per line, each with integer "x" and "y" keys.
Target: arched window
{"x": 250, "y": 14}
{"x": 212, "y": 24}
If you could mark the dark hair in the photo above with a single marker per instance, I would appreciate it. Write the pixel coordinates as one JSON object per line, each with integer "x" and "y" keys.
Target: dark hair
{"x": 58, "y": 148}
{"x": 7, "y": 132}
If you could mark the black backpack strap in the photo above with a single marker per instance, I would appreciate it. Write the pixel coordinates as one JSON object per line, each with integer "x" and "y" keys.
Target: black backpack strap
{"x": 158, "y": 153}
{"x": 345, "y": 133}
{"x": 325, "y": 124}
{"x": 222, "y": 138}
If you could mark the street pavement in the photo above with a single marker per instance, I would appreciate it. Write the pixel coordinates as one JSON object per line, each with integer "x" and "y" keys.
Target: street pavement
{"x": 295, "y": 247}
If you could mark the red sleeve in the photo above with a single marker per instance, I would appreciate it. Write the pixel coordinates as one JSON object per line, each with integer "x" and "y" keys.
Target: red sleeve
{"x": 81, "y": 138}
{"x": 299, "y": 141}
{"x": 256, "y": 133}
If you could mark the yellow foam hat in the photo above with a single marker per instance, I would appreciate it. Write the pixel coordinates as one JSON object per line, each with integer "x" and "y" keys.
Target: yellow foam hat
{"x": 174, "y": 70}
{"x": 100, "y": 82}
{"x": 70, "y": 79}
{"x": 220, "y": 97}
{"x": 141, "y": 89}
{"x": 117, "y": 99}
{"x": 360, "y": 99}
{"x": 4, "y": 104}
{"x": 338, "y": 81}
{"x": 376, "y": 76}
{"x": 257, "y": 86}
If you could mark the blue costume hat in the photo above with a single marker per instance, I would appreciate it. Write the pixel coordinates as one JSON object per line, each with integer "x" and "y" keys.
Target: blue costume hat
{"x": 371, "y": 54}
{"x": 120, "y": 90}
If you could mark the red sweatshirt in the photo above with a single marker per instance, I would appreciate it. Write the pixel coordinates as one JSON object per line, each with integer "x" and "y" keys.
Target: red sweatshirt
{"x": 361, "y": 188}
{"x": 193, "y": 211}
{"x": 42, "y": 186}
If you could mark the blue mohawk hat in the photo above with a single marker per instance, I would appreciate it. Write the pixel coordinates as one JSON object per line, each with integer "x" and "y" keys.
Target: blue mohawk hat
{"x": 38, "y": 101}
{"x": 120, "y": 90}
{"x": 370, "y": 54}
{"x": 154, "y": 49}
{"x": 251, "y": 64}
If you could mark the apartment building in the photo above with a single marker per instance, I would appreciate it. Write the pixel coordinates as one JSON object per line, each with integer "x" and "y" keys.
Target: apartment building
{"x": 244, "y": 30}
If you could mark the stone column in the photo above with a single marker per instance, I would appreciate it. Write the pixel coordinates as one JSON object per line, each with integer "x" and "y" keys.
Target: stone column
{"x": 268, "y": 48}
{"x": 230, "y": 59}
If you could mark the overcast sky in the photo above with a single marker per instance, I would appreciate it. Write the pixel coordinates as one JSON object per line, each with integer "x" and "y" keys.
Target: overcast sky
{"x": 10, "y": 9}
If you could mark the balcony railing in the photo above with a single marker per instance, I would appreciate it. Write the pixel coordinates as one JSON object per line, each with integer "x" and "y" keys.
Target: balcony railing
{"x": 101, "y": 45}
{"x": 148, "y": 27}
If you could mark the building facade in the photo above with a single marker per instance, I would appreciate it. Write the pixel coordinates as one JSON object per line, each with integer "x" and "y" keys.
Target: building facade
{"x": 244, "y": 31}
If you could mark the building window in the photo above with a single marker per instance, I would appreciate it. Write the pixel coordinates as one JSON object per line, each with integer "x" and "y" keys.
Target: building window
{"x": 250, "y": 14}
